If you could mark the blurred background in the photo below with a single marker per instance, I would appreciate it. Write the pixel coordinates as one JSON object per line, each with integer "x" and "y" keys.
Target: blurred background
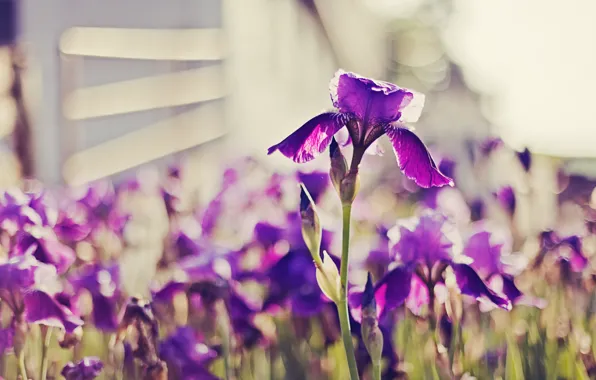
{"x": 96, "y": 89}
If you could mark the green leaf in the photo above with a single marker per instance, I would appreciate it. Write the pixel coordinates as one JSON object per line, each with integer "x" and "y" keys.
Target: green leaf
{"x": 514, "y": 369}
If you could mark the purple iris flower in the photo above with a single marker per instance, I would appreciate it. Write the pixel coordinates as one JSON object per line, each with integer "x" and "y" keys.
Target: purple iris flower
{"x": 568, "y": 249}
{"x": 187, "y": 357}
{"x": 423, "y": 248}
{"x": 103, "y": 284}
{"x": 16, "y": 276}
{"x": 292, "y": 277}
{"x": 86, "y": 369}
{"x": 72, "y": 224}
{"x": 506, "y": 197}
{"x": 211, "y": 272}
{"x": 496, "y": 265}
{"x": 100, "y": 200}
{"x": 43, "y": 243}
{"x": 44, "y": 309}
{"x": 29, "y": 287}
{"x": 368, "y": 109}
{"x": 16, "y": 212}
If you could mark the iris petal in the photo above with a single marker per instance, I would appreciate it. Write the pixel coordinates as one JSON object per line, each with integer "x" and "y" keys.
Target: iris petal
{"x": 414, "y": 160}
{"x": 311, "y": 139}
{"x": 471, "y": 284}
{"x": 374, "y": 101}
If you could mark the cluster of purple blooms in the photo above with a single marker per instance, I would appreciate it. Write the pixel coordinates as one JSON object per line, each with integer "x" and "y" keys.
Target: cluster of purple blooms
{"x": 236, "y": 274}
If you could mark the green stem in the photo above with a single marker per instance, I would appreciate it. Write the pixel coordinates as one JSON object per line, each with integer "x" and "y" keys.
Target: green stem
{"x": 44, "y": 353}
{"x": 376, "y": 368}
{"x": 22, "y": 368}
{"x": 342, "y": 305}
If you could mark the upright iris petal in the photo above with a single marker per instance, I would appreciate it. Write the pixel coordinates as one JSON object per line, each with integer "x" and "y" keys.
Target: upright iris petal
{"x": 368, "y": 108}
{"x": 371, "y": 101}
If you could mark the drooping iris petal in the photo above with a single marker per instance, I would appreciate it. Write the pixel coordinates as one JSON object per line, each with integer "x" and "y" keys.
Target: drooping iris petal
{"x": 471, "y": 284}
{"x": 43, "y": 309}
{"x": 373, "y": 101}
{"x": 414, "y": 160}
{"x": 186, "y": 356}
{"x": 87, "y": 369}
{"x": 505, "y": 284}
{"x": 311, "y": 139}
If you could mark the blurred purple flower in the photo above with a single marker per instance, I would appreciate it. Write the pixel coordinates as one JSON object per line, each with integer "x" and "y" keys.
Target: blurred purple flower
{"x": 291, "y": 277}
{"x": 567, "y": 249}
{"x": 43, "y": 243}
{"x": 87, "y": 369}
{"x": 43, "y": 309}
{"x": 368, "y": 109}
{"x": 17, "y": 275}
{"x": 525, "y": 158}
{"x": 100, "y": 200}
{"x": 28, "y": 286}
{"x": 447, "y": 167}
{"x": 16, "y": 213}
{"x": 72, "y": 224}
{"x": 506, "y": 198}
{"x": 187, "y": 357}
{"x": 491, "y": 251}
{"x": 489, "y": 145}
{"x": 423, "y": 247}
{"x": 166, "y": 293}
{"x": 103, "y": 284}
{"x": 315, "y": 182}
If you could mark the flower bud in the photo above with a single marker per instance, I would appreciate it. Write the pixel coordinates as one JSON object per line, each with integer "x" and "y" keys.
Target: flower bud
{"x": 349, "y": 187}
{"x": 371, "y": 333}
{"x": 311, "y": 227}
{"x": 339, "y": 165}
{"x": 328, "y": 278}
